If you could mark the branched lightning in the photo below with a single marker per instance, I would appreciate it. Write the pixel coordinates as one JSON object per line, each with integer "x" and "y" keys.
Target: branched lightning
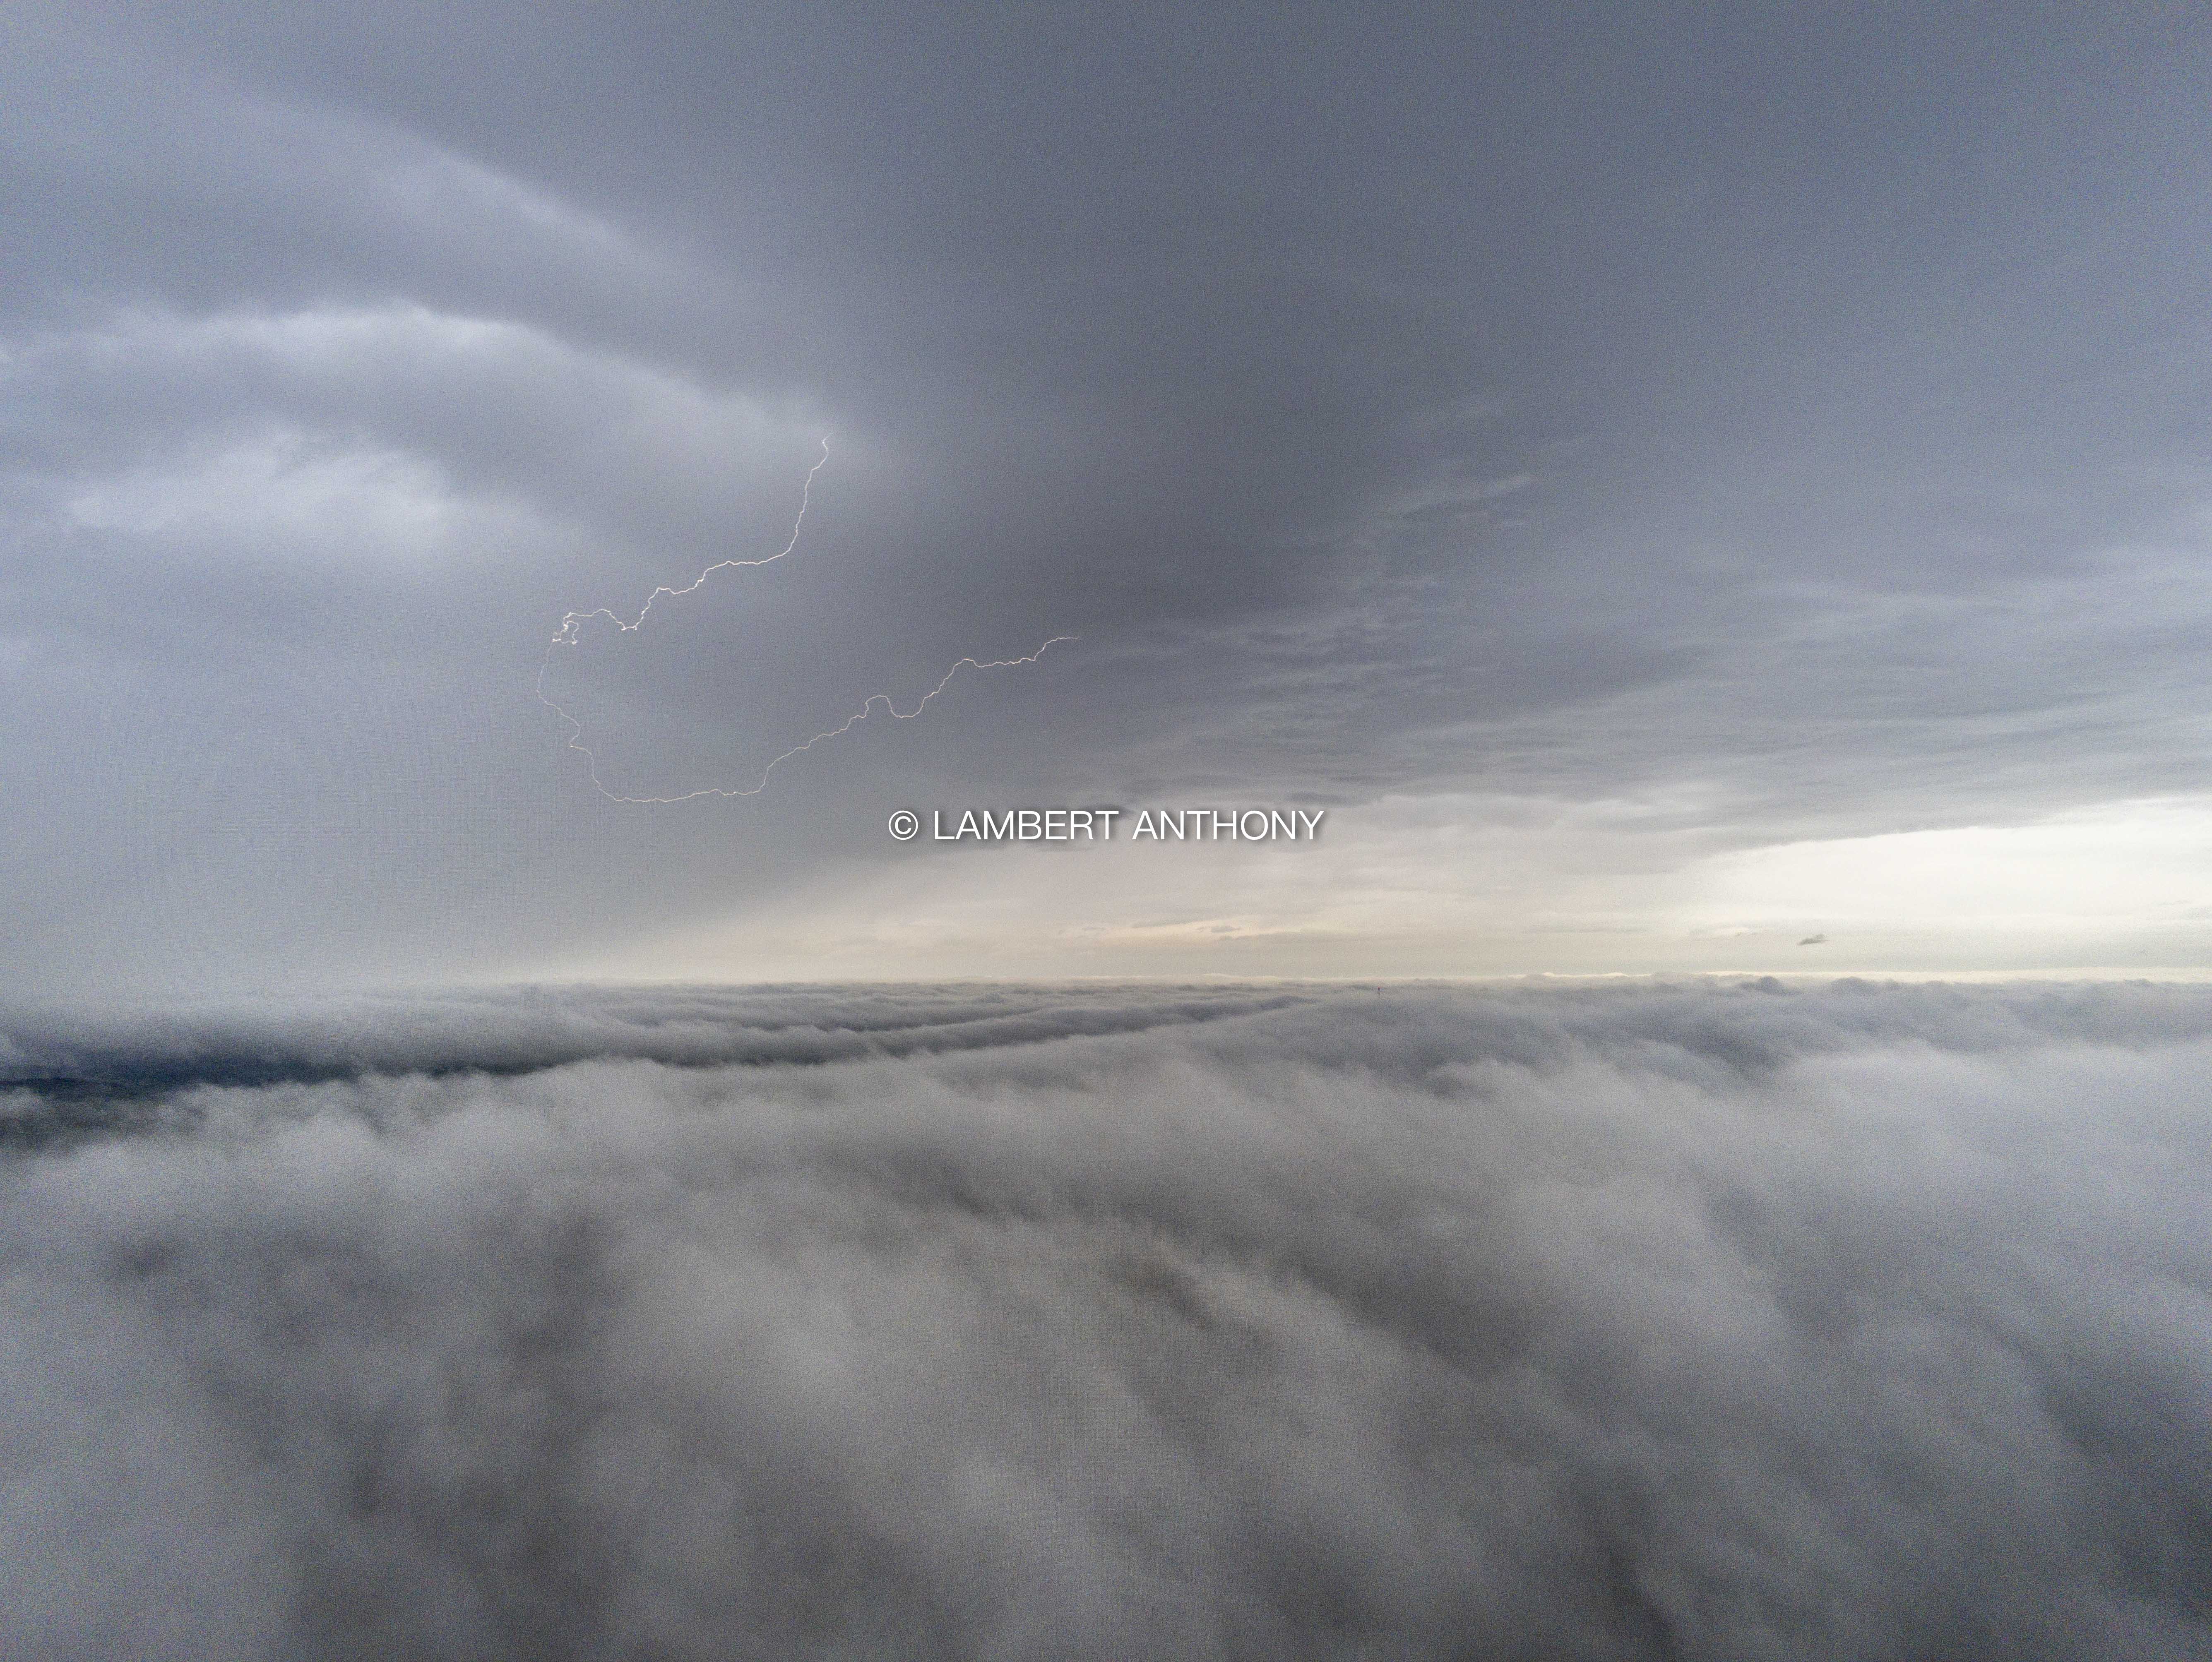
{"x": 568, "y": 635}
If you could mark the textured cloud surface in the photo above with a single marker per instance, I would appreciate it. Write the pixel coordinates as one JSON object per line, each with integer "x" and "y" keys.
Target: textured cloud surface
{"x": 1699, "y": 1320}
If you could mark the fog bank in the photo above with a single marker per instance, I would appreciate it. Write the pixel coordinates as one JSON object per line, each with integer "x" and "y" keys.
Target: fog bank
{"x": 1659, "y": 1321}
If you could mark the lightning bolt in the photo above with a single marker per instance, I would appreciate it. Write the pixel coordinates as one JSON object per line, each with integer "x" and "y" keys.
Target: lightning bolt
{"x": 568, "y": 635}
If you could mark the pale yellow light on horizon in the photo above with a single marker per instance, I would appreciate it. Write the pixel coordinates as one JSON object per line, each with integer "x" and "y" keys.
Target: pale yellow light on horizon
{"x": 1467, "y": 885}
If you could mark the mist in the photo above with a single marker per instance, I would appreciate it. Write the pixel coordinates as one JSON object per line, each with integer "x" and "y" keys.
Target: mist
{"x": 1700, "y": 1318}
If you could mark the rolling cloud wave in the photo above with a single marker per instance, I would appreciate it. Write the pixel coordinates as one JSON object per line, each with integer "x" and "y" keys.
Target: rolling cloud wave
{"x": 1701, "y": 1320}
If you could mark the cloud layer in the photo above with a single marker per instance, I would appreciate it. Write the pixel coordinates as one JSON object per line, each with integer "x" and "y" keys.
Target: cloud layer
{"x": 1665, "y": 1321}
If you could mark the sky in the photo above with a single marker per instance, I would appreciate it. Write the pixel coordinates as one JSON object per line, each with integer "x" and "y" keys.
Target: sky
{"x": 1722, "y": 488}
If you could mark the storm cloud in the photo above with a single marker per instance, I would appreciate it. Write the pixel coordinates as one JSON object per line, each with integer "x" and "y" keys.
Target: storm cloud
{"x": 1706, "y": 1318}
{"x": 1783, "y": 424}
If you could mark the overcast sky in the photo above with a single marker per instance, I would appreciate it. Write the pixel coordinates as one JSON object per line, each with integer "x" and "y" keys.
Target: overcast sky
{"x": 1671, "y": 486}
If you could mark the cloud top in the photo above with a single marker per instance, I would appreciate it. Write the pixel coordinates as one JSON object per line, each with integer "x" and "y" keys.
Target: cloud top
{"x": 1697, "y": 1320}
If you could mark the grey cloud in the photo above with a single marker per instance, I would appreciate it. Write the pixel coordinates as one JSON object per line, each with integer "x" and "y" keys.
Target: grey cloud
{"x": 133, "y": 1053}
{"x": 1391, "y": 402}
{"x": 1672, "y": 1320}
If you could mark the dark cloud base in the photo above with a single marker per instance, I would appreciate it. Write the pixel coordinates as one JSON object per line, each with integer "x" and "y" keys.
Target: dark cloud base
{"x": 1660, "y": 1321}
